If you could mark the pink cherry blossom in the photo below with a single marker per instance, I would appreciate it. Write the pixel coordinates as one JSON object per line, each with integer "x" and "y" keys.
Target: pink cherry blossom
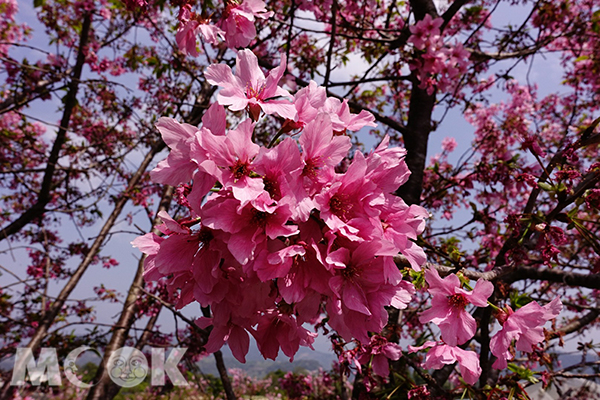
{"x": 190, "y": 24}
{"x": 227, "y": 328}
{"x": 401, "y": 225}
{"x": 186, "y": 37}
{"x": 426, "y": 29}
{"x": 321, "y": 150}
{"x": 448, "y": 306}
{"x": 249, "y": 225}
{"x": 386, "y": 166}
{"x": 361, "y": 273}
{"x": 449, "y": 144}
{"x": 525, "y": 326}
{"x": 276, "y": 330}
{"x": 442, "y": 354}
{"x": 378, "y": 352}
{"x": 348, "y": 205}
{"x": 249, "y": 87}
{"x": 280, "y": 168}
{"x": 283, "y": 236}
{"x": 177, "y": 167}
{"x": 230, "y": 160}
{"x": 239, "y": 21}
{"x": 149, "y": 244}
{"x": 308, "y": 101}
{"x": 360, "y": 290}
{"x": 342, "y": 119}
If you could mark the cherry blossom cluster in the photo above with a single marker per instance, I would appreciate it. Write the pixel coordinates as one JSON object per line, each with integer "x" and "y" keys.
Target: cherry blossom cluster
{"x": 283, "y": 235}
{"x": 457, "y": 326}
{"x": 10, "y": 30}
{"x": 317, "y": 385}
{"x": 235, "y": 27}
{"x": 439, "y": 64}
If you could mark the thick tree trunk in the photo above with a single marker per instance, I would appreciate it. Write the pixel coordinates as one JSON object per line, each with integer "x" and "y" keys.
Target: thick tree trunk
{"x": 419, "y": 124}
{"x": 416, "y": 138}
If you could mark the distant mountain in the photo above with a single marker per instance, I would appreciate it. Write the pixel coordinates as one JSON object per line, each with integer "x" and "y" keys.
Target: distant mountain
{"x": 256, "y": 366}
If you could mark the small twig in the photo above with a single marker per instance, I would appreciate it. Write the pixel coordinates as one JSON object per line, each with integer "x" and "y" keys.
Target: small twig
{"x": 331, "y": 44}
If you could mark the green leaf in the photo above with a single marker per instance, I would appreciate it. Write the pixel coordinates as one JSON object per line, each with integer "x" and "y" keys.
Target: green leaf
{"x": 418, "y": 278}
{"x": 519, "y": 300}
{"x": 546, "y": 186}
{"x": 523, "y": 373}
{"x": 38, "y": 3}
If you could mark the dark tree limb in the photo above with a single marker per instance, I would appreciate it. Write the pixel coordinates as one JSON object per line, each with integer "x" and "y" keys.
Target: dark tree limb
{"x": 576, "y": 325}
{"x": 223, "y": 374}
{"x": 39, "y": 208}
{"x": 511, "y": 274}
{"x": 419, "y": 124}
{"x": 143, "y": 340}
{"x": 334, "y": 7}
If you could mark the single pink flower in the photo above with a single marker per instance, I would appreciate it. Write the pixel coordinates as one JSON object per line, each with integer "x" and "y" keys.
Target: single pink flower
{"x": 305, "y": 276}
{"x": 449, "y": 144}
{"x": 442, "y": 354}
{"x": 230, "y": 160}
{"x": 211, "y": 33}
{"x": 360, "y": 291}
{"x": 279, "y": 168}
{"x": 342, "y": 118}
{"x": 386, "y": 166}
{"x": 249, "y": 87}
{"x": 350, "y": 324}
{"x": 321, "y": 151}
{"x": 177, "y": 167}
{"x": 401, "y": 225}
{"x": 428, "y": 29}
{"x": 308, "y": 101}
{"x": 190, "y": 24}
{"x": 272, "y": 264}
{"x": 349, "y": 204}
{"x": 448, "y": 306}
{"x": 361, "y": 273}
{"x": 189, "y": 261}
{"x": 239, "y": 21}
{"x": 215, "y": 120}
{"x": 277, "y": 330}
{"x": 227, "y": 328}
{"x": 378, "y": 352}
{"x": 149, "y": 244}
{"x": 525, "y": 326}
{"x": 186, "y": 37}
{"x": 249, "y": 225}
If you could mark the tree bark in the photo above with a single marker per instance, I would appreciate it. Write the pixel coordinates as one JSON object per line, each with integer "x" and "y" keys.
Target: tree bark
{"x": 419, "y": 124}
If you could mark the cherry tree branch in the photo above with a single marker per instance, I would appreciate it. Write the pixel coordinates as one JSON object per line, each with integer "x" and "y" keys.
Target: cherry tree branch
{"x": 334, "y": 7}
{"x": 511, "y": 273}
{"x": 38, "y": 209}
{"x": 576, "y": 325}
